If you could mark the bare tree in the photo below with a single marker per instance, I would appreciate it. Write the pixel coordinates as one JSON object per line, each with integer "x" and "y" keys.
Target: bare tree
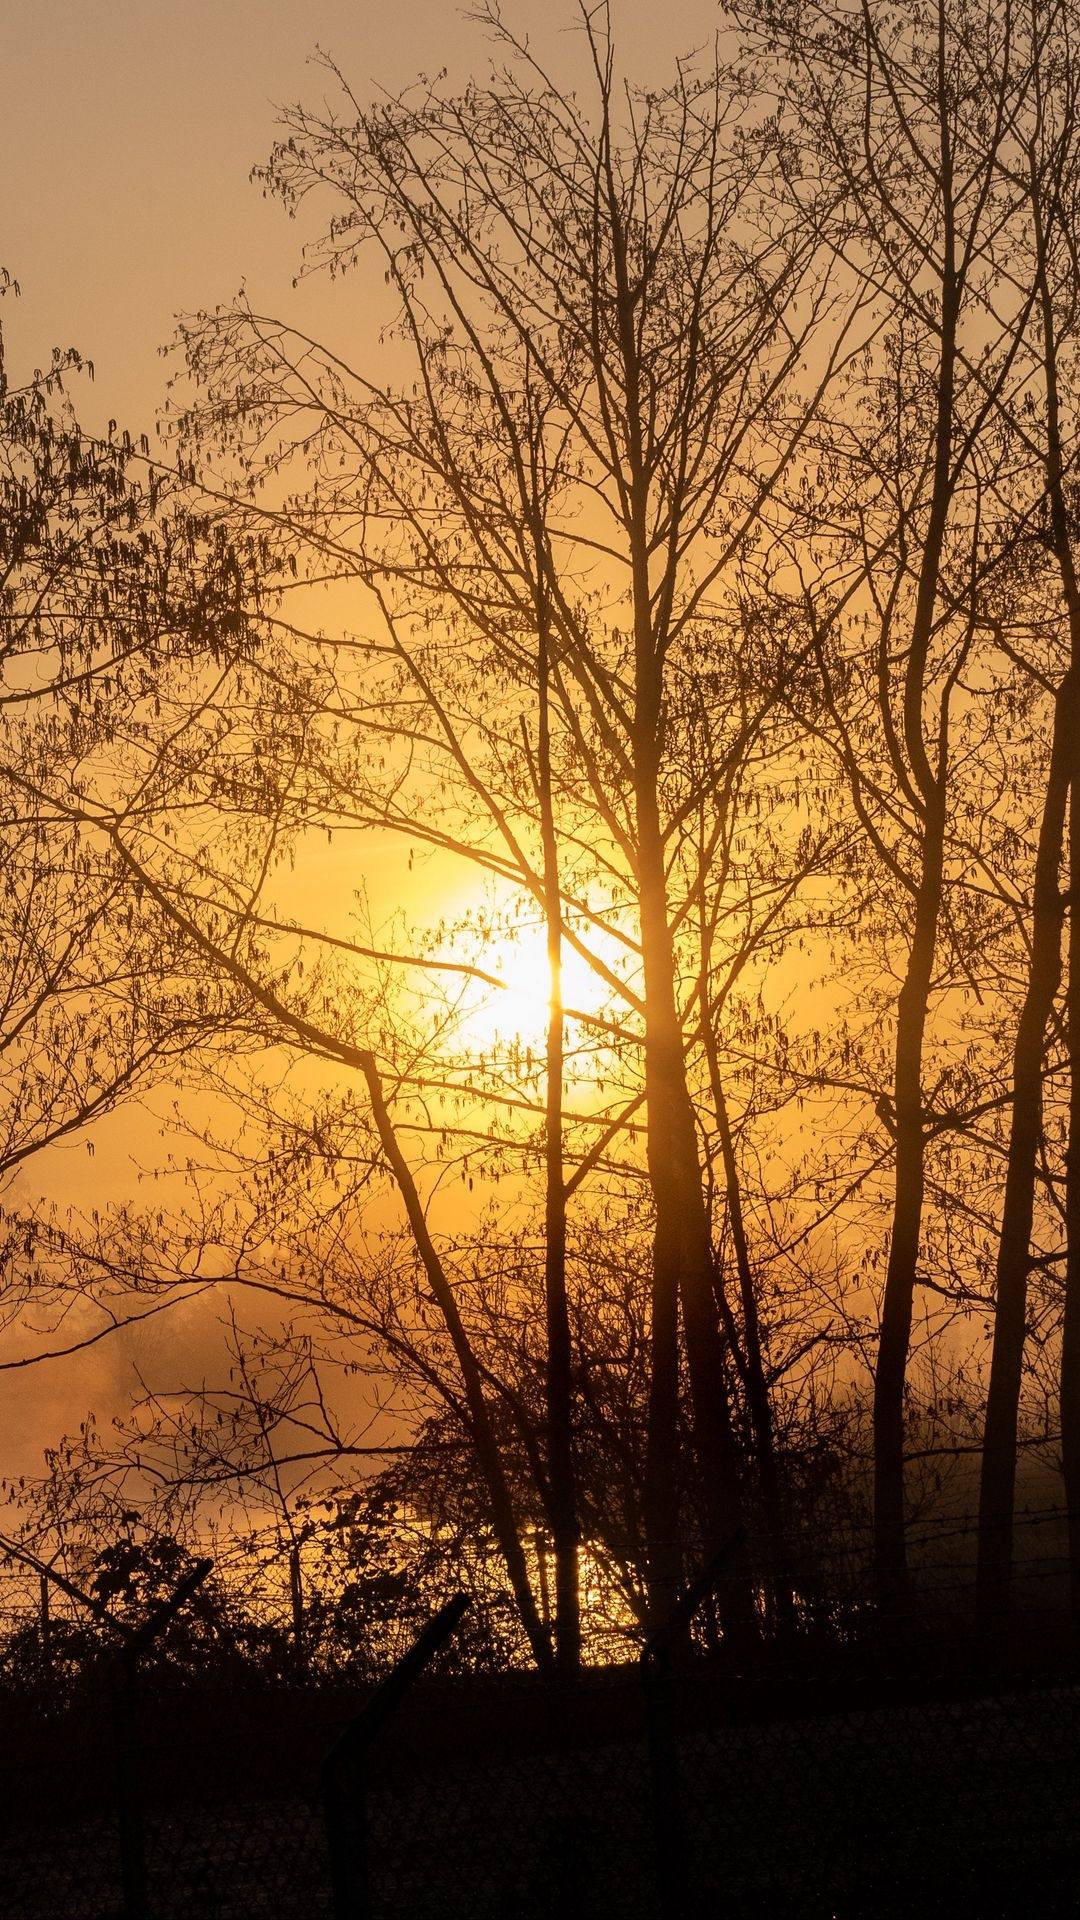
{"x": 1046, "y": 165}
{"x": 912, "y": 119}
{"x": 553, "y": 513}
{"x": 111, "y": 592}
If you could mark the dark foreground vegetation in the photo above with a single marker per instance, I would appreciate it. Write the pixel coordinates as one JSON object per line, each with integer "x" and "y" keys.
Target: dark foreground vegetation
{"x": 791, "y": 1790}
{"x": 836, "y": 1770}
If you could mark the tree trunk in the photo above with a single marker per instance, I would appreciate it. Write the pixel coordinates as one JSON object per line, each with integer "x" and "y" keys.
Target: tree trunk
{"x": 682, "y": 1253}
{"x": 757, "y": 1387}
{"x": 998, "y": 1480}
{"x": 1065, "y": 706}
{"x": 559, "y": 1382}
{"x": 1070, "y": 1334}
{"x": 489, "y": 1459}
{"x": 890, "y": 1553}
{"x": 682, "y": 1245}
{"x": 931, "y": 788}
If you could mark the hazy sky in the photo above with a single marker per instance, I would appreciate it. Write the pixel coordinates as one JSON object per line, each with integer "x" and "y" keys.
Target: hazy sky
{"x": 128, "y": 129}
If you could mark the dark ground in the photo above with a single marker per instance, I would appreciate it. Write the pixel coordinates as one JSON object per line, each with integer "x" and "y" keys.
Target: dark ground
{"x": 845, "y": 1793}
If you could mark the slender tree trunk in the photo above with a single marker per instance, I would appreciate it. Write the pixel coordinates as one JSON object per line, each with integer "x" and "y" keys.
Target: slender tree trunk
{"x": 757, "y": 1386}
{"x": 1069, "y": 720}
{"x": 503, "y": 1517}
{"x": 1014, "y": 1253}
{"x": 930, "y": 791}
{"x": 890, "y": 1554}
{"x": 1070, "y": 1332}
{"x": 747, "y": 1354}
{"x": 1070, "y": 1336}
{"x": 682, "y": 1248}
{"x": 998, "y": 1480}
{"x": 560, "y": 1447}
{"x": 682, "y": 1245}
{"x": 560, "y": 1391}
{"x": 662, "y": 1500}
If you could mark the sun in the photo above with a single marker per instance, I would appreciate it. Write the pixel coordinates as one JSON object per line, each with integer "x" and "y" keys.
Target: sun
{"x": 515, "y": 1012}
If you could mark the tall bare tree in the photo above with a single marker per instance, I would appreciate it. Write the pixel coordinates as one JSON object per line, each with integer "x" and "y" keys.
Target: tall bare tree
{"x": 1046, "y": 164}
{"x": 912, "y": 119}
{"x": 551, "y": 493}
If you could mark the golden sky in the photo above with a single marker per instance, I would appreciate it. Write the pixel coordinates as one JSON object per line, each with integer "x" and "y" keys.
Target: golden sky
{"x": 128, "y": 129}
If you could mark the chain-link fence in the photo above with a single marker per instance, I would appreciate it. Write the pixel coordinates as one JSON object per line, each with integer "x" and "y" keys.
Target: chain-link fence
{"x": 225, "y": 1862}
{"x": 963, "y": 1806}
{"x": 680, "y": 1788}
{"x": 950, "y": 1808}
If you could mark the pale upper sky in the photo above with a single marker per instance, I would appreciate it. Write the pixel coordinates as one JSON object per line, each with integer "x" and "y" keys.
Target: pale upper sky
{"x": 128, "y": 129}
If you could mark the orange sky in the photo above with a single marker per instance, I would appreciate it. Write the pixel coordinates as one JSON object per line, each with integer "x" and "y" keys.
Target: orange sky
{"x": 127, "y": 132}
{"x": 128, "y": 128}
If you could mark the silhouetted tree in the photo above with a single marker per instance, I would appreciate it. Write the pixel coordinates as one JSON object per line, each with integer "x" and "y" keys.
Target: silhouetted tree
{"x": 113, "y": 595}
{"x": 555, "y": 512}
{"x": 911, "y": 119}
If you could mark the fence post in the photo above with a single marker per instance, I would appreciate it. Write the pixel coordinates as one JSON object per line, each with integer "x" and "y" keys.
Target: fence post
{"x": 344, "y": 1769}
{"x": 129, "y": 1811}
{"x": 125, "y": 1702}
{"x": 296, "y": 1596}
{"x": 655, "y": 1659}
{"x": 45, "y": 1623}
{"x": 123, "y": 1672}
{"x": 668, "y": 1839}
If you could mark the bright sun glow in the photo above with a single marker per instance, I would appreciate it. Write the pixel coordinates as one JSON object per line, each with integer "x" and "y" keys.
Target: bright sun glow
{"x": 517, "y": 1013}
